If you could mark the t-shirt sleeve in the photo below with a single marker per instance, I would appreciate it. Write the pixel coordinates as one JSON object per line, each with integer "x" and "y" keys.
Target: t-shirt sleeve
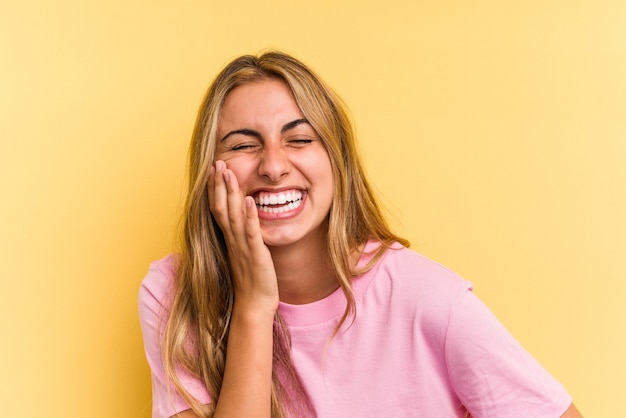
{"x": 493, "y": 375}
{"x": 154, "y": 294}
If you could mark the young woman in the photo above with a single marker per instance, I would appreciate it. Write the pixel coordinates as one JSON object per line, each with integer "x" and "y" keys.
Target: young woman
{"x": 291, "y": 296}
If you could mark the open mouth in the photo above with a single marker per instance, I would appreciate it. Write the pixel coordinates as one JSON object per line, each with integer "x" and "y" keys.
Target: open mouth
{"x": 278, "y": 202}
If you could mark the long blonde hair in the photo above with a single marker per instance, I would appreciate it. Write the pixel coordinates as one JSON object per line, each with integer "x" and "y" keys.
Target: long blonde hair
{"x": 196, "y": 332}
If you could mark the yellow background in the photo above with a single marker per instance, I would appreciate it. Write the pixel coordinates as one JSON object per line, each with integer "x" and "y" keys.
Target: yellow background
{"x": 494, "y": 130}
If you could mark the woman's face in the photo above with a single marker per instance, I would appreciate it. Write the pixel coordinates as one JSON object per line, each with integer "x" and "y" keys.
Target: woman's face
{"x": 278, "y": 159}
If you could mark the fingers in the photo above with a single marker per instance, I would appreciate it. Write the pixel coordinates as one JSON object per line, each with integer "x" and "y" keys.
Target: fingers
{"x": 227, "y": 203}
{"x": 250, "y": 262}
{"x": 235, "y": 202}
{"x": 253, "y": 227}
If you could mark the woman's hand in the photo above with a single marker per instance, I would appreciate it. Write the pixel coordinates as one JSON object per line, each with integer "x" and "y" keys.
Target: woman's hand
{"x": 251, "y": 265}
{"x": 246, "y": 388}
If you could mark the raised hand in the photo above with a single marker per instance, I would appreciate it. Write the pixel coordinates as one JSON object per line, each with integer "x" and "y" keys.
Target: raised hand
{"x": 246, "y": 387}
{"x": 251, "y": 265}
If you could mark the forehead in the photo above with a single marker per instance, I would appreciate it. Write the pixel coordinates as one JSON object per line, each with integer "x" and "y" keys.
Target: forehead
{"x": 260, "y": 97}
{"x": 265, "y": 108}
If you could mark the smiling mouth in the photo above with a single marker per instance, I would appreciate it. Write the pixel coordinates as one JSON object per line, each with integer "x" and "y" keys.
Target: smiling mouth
{"x": 278, "y": 202}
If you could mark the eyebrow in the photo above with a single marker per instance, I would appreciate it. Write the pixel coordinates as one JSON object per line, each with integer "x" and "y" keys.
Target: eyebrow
{"x": 293, "y": 124}
{"x": 250, "y": 132}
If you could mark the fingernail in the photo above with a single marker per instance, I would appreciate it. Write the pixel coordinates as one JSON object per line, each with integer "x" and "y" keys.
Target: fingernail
{"x": 226, "y": 176}
{"x": 219, "y": 165}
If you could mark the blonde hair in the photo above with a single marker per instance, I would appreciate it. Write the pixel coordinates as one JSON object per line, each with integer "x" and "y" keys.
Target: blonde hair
{"x": 196, "y": 332}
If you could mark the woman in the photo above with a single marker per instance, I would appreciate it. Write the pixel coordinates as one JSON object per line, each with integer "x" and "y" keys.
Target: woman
{"x": 292, "y": 297}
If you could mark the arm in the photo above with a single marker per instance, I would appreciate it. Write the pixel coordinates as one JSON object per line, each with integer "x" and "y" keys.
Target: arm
{"x": 572, "y": 412}
{"x": 247, "y": 384}
{"x": 246, "y": 390}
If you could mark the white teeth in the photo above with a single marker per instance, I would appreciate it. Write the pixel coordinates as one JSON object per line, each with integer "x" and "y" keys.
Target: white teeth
{"x": 266, "y": 199}
{"x": 279, "y": 209}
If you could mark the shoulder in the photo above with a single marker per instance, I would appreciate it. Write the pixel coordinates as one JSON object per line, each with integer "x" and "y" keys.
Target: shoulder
{"x": 406, "y": 260}
{"x": 161, "y": 275}
{"x": 156, "y": 288}
{"x": 406, "y": 284}
{"x": 417, "y": 276}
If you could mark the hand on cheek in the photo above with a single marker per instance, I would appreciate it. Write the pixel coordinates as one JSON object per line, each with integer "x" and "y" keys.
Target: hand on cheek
{"x": 251, "y": 265}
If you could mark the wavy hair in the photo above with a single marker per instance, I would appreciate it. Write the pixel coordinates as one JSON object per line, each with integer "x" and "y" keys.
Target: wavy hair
{"x": 196, "y": 331}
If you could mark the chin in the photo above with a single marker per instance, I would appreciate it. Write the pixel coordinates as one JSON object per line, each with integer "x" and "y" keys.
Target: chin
{"x": 283, "y": 237}
{"x": 278, "y": 242}
{"x": 293, "y": 234}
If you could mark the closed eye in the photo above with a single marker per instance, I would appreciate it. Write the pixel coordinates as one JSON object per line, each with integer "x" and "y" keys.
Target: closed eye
{"x": 300, "y": 141}
{"x": 243, "y": 147}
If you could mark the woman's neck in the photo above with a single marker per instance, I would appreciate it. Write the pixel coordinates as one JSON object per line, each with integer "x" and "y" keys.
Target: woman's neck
{"x": 304, "y": 270}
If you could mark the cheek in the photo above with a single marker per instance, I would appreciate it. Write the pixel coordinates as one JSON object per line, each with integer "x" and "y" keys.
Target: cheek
{"x": 327, "y": 169}
{"x": 243, "y": 168}
{"x": 324, "y": 174}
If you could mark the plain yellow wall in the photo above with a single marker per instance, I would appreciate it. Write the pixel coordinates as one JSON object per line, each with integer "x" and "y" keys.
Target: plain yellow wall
{"x": 494, "y": 130}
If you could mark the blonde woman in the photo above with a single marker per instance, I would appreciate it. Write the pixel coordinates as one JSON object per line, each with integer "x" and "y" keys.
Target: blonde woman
{"x": 291, "y": 296}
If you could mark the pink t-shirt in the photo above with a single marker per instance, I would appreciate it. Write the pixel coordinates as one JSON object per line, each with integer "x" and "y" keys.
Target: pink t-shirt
{"x": 421, "y": 345}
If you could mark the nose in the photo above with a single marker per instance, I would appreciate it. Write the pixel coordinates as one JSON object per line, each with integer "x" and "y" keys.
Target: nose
{"x": 274, "y": 164}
